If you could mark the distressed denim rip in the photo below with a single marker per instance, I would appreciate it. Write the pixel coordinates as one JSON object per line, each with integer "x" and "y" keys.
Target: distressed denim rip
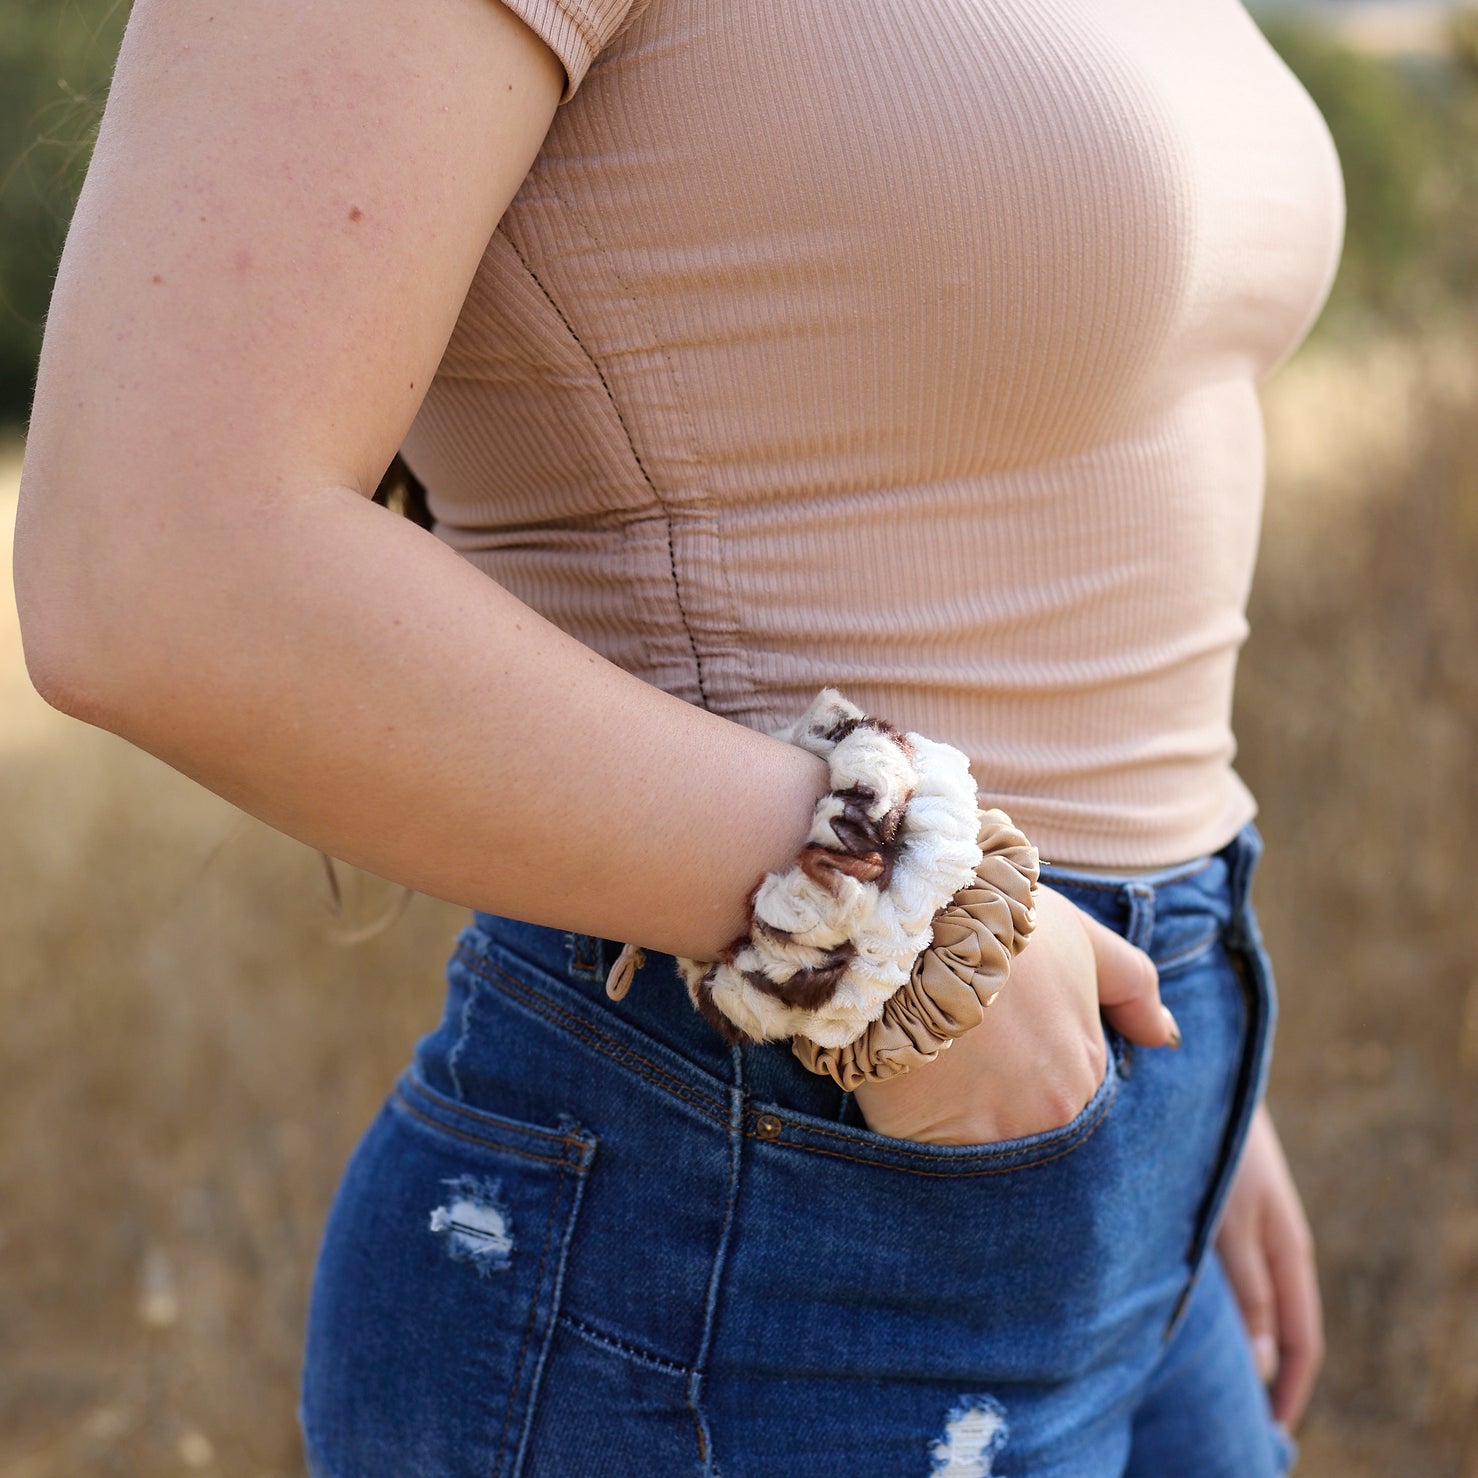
{"x": 587, "y": 1238}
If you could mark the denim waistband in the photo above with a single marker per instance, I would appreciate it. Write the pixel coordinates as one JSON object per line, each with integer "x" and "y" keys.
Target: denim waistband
{"x": 1170, "y": 914}
{"x": 1131, "y": 903}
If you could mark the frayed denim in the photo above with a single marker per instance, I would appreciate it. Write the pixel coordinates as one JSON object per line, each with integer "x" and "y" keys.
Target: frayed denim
{"x": 589, "y": 1238}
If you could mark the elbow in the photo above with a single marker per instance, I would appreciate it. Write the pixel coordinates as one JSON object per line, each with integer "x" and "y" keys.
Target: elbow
{"x": 56, "y": 599}
{"x": 60, "y": 662}
{"x": 66, "y": 688}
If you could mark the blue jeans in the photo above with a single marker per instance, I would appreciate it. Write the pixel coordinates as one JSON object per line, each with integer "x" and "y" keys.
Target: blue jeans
{"x": 588, "y": 1238}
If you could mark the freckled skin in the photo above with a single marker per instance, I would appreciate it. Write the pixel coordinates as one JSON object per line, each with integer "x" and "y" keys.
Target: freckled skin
{"x": 282, "y": 387}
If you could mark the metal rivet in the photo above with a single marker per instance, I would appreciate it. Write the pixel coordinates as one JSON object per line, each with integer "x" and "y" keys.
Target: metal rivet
{"x": 767, "y": 1126}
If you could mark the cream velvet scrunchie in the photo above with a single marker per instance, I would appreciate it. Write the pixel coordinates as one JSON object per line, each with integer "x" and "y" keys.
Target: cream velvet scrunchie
{"x": 975, "y": 938}
{"x": 895, "y": 926}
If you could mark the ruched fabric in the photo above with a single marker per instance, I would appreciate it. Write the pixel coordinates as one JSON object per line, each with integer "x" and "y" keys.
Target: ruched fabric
{"x": 911, "y": 349}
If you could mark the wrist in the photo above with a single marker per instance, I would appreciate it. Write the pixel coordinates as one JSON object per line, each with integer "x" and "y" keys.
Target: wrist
{"x": 787, "y": 787}
{"x": 894, "y": 924}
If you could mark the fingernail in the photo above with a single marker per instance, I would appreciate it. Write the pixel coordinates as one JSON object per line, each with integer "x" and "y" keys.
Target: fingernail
{"x": 1265, "y": 1356}
{"x": 1174, "y": 1038}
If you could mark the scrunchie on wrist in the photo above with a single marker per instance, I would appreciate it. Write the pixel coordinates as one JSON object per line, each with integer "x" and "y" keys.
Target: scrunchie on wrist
{"x": 895, "y": 926}
{"x": 975, "y": 938}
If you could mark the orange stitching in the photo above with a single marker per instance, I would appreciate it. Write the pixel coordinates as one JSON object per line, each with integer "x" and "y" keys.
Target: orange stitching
{"x": 437, "y": 1100}
{"x": 491, "y": 1144}
{"x": 813, "y": 1149}
{"x": 622, "y": 1055}
{"x": 1068, "y": 1130}
{"x": 586, "y": 1033}
{"x": 511, "y": 985}
{"x": 529, "y": 1328}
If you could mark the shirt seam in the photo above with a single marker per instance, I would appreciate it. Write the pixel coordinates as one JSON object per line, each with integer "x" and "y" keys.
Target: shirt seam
{"x": 661, "y": 502}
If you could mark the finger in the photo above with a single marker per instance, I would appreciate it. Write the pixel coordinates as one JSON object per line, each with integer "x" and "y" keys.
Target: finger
{"x": 1244, "y": 1258}
{"x": 1129, "y": 989}
{"x": 1300, "y": 1318}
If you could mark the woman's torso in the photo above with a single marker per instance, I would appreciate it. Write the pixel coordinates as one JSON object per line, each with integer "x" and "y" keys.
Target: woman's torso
{"x": 907, "y": 346}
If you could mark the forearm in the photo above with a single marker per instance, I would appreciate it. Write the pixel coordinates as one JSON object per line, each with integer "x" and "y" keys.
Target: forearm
{"x": 347, "y": 678}
{"x": 278, "y": 229}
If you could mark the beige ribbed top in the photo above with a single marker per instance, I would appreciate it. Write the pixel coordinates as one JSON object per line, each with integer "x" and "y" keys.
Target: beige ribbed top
{"x": 907, "y": 346}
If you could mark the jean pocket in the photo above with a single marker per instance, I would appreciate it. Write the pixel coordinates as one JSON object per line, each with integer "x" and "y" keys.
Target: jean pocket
{"x": 786, "y": 1128}
{"x": 437, "y": 1289}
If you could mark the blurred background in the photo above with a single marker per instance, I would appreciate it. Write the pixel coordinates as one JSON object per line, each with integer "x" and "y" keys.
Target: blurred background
{"x": 193, "y": 1034}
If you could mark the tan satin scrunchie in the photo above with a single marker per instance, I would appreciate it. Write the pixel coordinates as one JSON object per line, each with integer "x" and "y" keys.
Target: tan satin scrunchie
{"x": 976, "y": 936}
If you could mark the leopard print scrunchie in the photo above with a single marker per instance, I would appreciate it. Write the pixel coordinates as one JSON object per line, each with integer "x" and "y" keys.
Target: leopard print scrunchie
{"x": 896, "y": 925}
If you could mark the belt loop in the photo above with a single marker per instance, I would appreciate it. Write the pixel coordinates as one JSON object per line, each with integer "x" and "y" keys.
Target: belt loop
{"x": 587, "y": 955}
{"x": 1139, "y": 898}
{"x": 1245, "y": 849}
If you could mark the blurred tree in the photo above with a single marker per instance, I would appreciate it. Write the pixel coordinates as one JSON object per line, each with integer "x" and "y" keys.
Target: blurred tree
{"x": 1408, "y": 146}
{"x": 1407, "y": 135}
{"x": 1384, "y": 126}
{"x": 55, "y": 61}
{"x": 1462, "y": 31}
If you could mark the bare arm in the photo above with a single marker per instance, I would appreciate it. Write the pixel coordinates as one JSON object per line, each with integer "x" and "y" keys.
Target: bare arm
{"x": 287, "y": 203}
{"x": 1268, "y": 1251}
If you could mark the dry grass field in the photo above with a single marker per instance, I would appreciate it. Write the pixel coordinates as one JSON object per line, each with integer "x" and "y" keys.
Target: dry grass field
{"x": 190, "y": 1047}
{"x": 1357, "y": 714}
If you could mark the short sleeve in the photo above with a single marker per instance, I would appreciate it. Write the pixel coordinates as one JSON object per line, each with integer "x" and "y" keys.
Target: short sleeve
{"x": 575, "y": 30}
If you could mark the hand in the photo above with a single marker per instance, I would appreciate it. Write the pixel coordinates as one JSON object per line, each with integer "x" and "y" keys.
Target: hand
{"x": 1268, "y": 1252}
{"x": 1040, "y": 1053}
